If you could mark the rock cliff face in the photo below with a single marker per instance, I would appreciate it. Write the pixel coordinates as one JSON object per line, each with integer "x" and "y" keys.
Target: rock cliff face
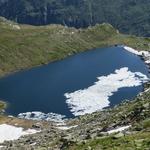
{"x": 130, "y": 16}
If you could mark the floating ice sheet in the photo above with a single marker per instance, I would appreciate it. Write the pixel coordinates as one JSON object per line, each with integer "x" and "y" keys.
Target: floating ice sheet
{"x": 96, "y": 97}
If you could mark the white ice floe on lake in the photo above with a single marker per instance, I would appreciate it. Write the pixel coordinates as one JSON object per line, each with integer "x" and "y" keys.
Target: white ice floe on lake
{"x": 36, "y": 115}
{"x": 96, "y": 97}
{"x": 8, "y": 132}
{"x": 118, "y": 129}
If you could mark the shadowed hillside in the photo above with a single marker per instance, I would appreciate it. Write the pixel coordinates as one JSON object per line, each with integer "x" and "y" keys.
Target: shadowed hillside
{"x": 129, "y": 16}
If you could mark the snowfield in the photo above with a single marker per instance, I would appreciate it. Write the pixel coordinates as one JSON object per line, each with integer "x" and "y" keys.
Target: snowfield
{"x": 118, "y": 129}
{"x": 8, "y": 132}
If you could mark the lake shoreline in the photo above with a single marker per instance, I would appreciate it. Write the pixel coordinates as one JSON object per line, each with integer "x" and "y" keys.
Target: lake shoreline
{"x": 144, "y": 55}
{"x": 71, "y": 124}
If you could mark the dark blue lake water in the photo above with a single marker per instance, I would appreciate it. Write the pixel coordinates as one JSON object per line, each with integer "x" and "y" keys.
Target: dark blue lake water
{"x": 43, "y": 88}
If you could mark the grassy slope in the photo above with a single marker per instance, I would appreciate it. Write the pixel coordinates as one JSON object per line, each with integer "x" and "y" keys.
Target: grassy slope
{"x": 139, "y": 141}
{"x": 31, "y": 46}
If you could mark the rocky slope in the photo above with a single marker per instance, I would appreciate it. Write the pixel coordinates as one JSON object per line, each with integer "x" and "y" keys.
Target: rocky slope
{"x": 91, "y": 131}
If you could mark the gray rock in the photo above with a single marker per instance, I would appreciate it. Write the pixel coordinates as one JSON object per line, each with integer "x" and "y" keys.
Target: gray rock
{"x": 120, "y": 134}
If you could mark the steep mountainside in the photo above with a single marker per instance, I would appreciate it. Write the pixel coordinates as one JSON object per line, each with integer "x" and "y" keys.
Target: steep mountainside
{"x": 129, "y": 16}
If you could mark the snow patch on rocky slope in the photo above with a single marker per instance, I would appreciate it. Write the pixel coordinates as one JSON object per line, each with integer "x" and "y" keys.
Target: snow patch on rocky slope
{"x": 8, "y": 132}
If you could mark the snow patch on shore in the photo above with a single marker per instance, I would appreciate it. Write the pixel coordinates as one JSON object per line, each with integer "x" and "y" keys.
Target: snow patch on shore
{"x": 16, "y": 27}
{"x": 96, "y": 97}
{"x": 1, "y": 147}
{"x": 136, "y": 52}
{"x": 8, "y": 132}
{"x": 66, "y": 127}
{"x": 118, "y": 129}
{"x": 36, "y": 115}
{"x": 147, "y": 61}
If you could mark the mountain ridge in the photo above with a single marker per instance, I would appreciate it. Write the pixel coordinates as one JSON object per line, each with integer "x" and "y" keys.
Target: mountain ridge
{"x": 128, "y": 16}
